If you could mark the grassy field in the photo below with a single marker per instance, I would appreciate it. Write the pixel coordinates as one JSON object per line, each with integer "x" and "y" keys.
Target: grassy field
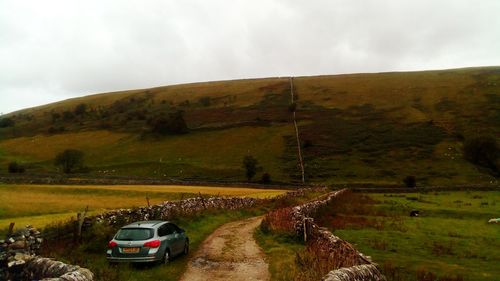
{"x": 195, "y": 156}
{"x": 450, "y": 238}
{"x": 42, "y": 204}
{"x": 357, "y": 128}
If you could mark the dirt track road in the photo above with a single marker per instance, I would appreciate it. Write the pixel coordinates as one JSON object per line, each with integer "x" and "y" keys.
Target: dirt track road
{"x": 229, "y": 253}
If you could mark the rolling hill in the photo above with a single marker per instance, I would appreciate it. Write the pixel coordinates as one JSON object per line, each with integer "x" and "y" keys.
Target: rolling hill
{"x": 354, "y": 128}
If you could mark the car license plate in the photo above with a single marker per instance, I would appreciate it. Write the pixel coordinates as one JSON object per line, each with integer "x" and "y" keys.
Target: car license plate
{"x": 130, "y": 250}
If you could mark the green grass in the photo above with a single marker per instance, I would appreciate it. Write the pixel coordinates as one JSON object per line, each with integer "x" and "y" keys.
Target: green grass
{"x": 202, "y": 155}
{"x": 451, "y": 237}
{"x": 280, "y": 250}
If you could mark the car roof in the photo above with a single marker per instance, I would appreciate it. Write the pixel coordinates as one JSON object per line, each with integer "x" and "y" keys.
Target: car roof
{"x": 146, "y": 224}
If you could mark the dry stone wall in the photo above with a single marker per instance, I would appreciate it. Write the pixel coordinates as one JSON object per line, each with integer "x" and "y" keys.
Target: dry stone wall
{"x": 45, "y": 269}
{"x": 309, "y": 209}
{"x": 19, "y": 260}
{"x": 16, "y": 249}
{"x": 169, "y": 209}
{"x": 347, "y": 263}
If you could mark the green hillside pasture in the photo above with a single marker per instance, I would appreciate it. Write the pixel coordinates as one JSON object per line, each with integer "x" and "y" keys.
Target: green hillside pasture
{"x": 42, "y": 204}
{"x": 450, "y": 238}
{"x": 382, "y": 127}
{"x": 202, "y": 155}
{"x": 412, "y": 96}
{"x": 355, "y": 128}
{"x": 365, "y": 144}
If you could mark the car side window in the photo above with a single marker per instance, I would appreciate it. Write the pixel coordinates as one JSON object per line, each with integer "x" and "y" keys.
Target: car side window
{"x": 170, "y": 228}
{"x": 163, "y": 230}
{"x": 176, "y": 228}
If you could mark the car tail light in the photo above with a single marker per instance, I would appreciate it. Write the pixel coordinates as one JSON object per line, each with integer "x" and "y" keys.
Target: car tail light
{"x": 152, "y": 244}
{"x": 112, "y": 244}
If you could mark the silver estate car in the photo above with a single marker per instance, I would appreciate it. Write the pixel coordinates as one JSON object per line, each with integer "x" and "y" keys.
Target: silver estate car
{"x": 148, "y": 241}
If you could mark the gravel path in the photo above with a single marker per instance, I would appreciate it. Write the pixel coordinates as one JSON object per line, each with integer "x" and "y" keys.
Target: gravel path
{"x": 229, "y": 253}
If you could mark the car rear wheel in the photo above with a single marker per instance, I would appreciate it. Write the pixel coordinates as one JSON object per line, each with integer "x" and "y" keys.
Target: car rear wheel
{"x": 166, "y": 257}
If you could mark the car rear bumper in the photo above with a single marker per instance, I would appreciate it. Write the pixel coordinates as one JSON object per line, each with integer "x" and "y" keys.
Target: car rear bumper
{"x": 134, "y": 259}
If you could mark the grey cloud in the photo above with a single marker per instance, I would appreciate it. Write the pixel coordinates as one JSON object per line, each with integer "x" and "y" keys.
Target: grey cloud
{"x": 52, "y": 50}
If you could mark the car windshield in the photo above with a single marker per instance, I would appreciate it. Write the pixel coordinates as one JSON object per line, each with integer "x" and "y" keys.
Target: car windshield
{"x": 131, "y": 234}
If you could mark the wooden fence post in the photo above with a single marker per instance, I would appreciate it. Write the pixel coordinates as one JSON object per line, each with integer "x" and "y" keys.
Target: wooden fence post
{"x": 81, "y": 218}
{"x": 11, "y": 229}
{"x": 307, "y": 228}
{"x": 202, "y": 201}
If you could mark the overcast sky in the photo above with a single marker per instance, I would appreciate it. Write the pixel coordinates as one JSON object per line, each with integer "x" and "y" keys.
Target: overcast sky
{"x": 54, "y": 50}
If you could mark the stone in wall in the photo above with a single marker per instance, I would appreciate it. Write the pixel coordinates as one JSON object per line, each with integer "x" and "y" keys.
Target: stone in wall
{"x": 45, "y": 269}
{"x": 364, "y": 272}
{"x": 16, "y": 249}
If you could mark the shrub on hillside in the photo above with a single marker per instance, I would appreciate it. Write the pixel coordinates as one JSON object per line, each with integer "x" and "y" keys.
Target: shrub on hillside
{"x": 80, "y": 109}
{"x": 70, "y": 160}
{"x": 14, "y": 167}
{"x": 410, "y": 181}
{"x": 205, "y": 101}
{"x": 266, "y": 178}
{"x": 68, "y": 115}
{"x": 251, "y": 167}
{"x": 482, "y": 151}
{"x": 307, "y": 143}
{"x": 6, "y": 122}
{"x": 184, "y": 103}
{"x": 174, "y": 124}
{"x": 55, "y": 116}
{"x": 54, "y": 130}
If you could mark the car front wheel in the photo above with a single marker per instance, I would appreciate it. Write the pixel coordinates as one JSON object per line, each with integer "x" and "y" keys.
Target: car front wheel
{"x": 186, "y": 247}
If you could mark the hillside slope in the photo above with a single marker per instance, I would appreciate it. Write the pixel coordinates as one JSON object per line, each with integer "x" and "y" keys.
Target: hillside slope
{"x": 356, "y": 128}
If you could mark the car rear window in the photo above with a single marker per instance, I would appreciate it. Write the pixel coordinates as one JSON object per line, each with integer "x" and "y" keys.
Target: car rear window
{"x": 131, "y": 234}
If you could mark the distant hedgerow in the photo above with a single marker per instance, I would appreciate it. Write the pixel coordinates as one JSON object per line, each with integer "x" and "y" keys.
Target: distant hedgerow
{"x": 15, "y": 167}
